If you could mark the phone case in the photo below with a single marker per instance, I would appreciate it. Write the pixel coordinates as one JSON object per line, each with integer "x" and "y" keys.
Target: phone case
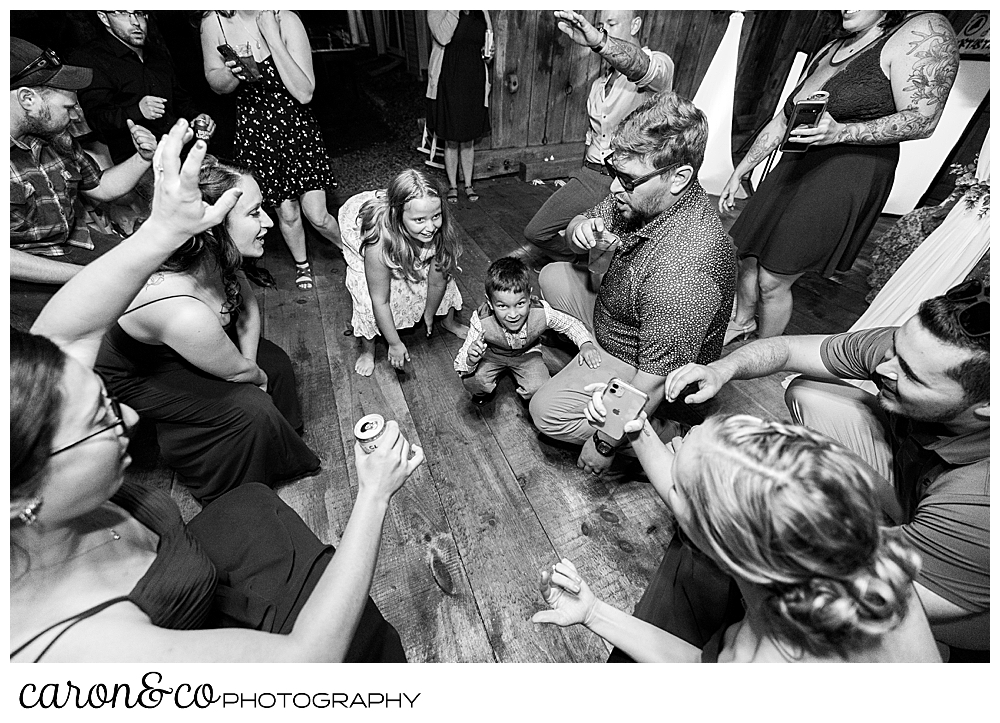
{"x": 623, "y": 403}
{"x": 806, "y": 112}
{"x": 228, "y": 52}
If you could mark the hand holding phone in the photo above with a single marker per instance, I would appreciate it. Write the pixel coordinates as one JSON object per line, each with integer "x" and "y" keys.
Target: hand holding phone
{"x": 805, "y": 113}
{"x": 622, "y": 403}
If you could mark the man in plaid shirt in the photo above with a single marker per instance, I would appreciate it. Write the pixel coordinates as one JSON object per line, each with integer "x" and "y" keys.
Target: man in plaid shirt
{"x": 48, "y": 170}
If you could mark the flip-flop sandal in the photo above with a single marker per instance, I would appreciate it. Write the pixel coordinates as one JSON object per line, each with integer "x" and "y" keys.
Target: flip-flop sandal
{"x": 452, "y": 195}
{"x": 470, "y": 193}
{"x": 303, "y": 276}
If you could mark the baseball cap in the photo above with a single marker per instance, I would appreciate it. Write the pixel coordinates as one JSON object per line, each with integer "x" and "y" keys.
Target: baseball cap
{"x": 50, "y": 70}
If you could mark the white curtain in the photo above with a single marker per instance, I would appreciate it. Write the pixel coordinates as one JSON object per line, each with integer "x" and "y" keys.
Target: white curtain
{"x": 715, "y": 99}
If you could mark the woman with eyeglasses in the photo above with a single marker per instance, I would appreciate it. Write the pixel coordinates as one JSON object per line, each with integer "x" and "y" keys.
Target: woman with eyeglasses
{"x": 188, "y": 354}
{"x": 794, "y": 519}
{"x": 102, "y": 571}
{"x": 887, "y": 79}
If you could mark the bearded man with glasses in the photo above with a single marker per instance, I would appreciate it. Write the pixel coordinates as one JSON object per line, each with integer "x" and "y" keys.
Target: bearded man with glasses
{"x": 926, "y": 433}
{"x": 668, "y": 289}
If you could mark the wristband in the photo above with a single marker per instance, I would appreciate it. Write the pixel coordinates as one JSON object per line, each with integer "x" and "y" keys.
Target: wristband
{"x": 604, "y": 41}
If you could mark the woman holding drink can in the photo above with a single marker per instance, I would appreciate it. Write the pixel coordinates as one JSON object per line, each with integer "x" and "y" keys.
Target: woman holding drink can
{"x": 265, "y": 58}
{"x": 887, "y": 79}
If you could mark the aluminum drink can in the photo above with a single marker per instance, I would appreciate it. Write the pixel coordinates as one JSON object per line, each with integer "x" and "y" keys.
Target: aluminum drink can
{"x": 368, "y": 431}
{"x": 200, "y": 127}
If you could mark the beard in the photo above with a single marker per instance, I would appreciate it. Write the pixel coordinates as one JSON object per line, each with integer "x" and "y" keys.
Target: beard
{"x": 41, "y": 124}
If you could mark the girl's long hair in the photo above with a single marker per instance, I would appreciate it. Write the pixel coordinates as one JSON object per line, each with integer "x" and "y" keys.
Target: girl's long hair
{"x": 381, "y": 219}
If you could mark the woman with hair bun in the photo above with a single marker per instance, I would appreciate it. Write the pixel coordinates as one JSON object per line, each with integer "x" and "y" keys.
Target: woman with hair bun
{"x": 793, "y": 517}
{"x": 188, "y": 354}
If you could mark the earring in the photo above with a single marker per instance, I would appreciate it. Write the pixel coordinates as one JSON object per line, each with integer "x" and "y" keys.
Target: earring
{"x": 27, "y": 515}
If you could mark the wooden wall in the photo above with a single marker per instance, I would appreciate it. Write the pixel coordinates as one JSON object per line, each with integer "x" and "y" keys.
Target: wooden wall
{"x": 541, "y": 79}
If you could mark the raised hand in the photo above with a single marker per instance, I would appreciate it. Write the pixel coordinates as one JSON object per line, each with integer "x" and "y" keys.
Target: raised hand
{"x": 143, "y": 140}
{"x": 567, "y": 593}
{"x": 577, "y": 28}
{"x": 177, "y": 203}
{"x": 476, "y": 351}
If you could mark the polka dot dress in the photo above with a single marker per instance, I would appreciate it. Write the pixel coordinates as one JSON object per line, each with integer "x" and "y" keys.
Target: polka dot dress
{"x": 279, "y": 139}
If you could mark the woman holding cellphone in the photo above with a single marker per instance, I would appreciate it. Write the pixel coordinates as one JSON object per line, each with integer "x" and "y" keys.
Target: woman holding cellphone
{"x": 888, "y": 79}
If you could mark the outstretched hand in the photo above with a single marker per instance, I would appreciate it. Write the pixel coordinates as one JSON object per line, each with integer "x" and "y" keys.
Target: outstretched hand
{"x": 383, "y": 471}
{"x": 577, "y": 28}
{"x": 177, "y": 204}
{"x": 709, "y": 383}
{"x": 567, "y": 593}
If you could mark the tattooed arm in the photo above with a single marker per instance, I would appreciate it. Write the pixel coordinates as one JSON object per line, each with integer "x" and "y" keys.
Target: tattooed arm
{"x": 623, "y": 55}
{"x": 923, "y": 62}
{"x": 767, "y": 140}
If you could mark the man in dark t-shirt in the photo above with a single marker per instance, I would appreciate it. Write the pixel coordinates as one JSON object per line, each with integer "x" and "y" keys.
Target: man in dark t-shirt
{"x": 926, "y": 435}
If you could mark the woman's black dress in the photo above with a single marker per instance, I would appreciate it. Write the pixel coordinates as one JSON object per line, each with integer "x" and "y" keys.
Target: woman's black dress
{"x": 215, "y": 434}
{"x": 458, "y": 114}
{"x": 814, "y": 211}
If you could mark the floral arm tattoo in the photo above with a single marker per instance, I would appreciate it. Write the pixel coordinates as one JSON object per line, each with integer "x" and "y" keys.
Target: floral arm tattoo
{"x": 625, "y": 57}
{"x": 761, "y": 148}
{"x": 934, "y": 67}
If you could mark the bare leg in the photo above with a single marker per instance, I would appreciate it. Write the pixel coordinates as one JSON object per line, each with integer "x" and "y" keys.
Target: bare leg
{"x": 290, "y": 223}
{"x": 746, "y": 292}
{"x": 775, "y": 307}
{"x": 467, "y": 152}
{"x": 365, "y": 364}
{"x": 449, "y": 322}
{"x": 451, "y": 163}
{"x": 315, "y": 210}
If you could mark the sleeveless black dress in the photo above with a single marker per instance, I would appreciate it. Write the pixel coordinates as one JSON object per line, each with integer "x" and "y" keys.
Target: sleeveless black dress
{"x": 215, "y": 434}
{"x": 814, "y": 211}
{"x": 279, "y": 139}
{"x": 247, "y": 560}
{"x": 458, "y": 113}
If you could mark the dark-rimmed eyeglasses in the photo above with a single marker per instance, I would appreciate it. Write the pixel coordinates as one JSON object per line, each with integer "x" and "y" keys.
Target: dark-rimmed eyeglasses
{"x": 119, "y": 420}
{"x": 130, "y": 14}
{"x": 48, "y": 60}
{"x": 629, "y": 183}
{"x": 974, "y": 318}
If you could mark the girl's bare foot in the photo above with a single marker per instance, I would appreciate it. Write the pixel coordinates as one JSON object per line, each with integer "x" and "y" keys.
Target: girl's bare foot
{"x": 365, "y": 364}
{"x": 456, "y": 328}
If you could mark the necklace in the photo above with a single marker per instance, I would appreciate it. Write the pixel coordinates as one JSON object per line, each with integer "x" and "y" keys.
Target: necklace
{"x": 250, "y": 35}
{"x": 857, "y": 46}
{"x": 113, "y": 538}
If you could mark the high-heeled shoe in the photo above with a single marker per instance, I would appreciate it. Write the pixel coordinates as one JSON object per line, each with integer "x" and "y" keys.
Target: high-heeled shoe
{"x": 734, "y": 331}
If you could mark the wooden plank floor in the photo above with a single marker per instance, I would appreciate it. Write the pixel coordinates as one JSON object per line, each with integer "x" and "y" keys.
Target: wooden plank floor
{"x": 494, "y": 502}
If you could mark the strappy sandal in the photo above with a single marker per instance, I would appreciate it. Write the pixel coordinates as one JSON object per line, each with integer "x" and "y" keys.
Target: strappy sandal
{"x": 303, "y": 276}
{"x": 452, "y": 195}
{"x": 470, "y": 193}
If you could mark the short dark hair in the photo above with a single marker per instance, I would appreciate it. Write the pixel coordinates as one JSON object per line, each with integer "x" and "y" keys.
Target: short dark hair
{"x": 940, "y": 317}
{"x": 507, "y": 274}
{"x": 664, "y": 130}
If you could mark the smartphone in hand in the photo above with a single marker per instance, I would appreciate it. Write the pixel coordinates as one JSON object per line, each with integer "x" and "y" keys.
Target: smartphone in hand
{"x": 806, "y": 113}
{"x": 623, "y": 403}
